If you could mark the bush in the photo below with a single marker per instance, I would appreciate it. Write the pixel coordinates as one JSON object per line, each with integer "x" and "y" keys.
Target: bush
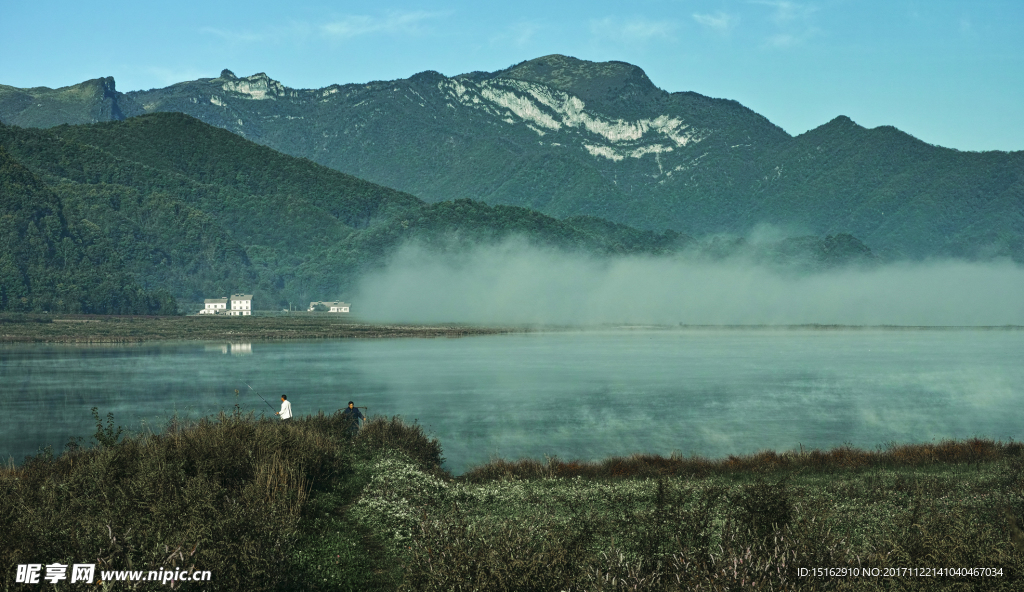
{"x": 224, "y": 495}
{"x": 381, "y": 433}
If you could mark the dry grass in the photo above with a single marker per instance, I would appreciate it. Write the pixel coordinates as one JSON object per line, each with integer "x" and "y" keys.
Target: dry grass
{"x": 649, "y": 523}
{"x": 231, "y": 494}
{"x": 974, "y": 450}
{"x": 267, "y": 505}
{"x": 381, "y": 433}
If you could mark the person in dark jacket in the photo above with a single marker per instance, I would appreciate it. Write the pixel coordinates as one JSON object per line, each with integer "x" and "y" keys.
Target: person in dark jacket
{"x": 354, "y": 416}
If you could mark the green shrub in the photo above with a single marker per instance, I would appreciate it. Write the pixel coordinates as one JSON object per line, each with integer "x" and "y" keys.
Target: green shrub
{"x": 381, "y": 433}
{"x": 223, "y": 494}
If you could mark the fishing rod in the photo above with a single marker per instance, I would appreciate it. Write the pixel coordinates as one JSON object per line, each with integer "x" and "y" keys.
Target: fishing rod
{"x": 259, "y": 395}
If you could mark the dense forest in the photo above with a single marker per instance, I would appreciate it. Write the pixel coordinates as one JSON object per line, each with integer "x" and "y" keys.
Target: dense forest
{"x": 164, "y": 204}
{"x": 52, "y": 260}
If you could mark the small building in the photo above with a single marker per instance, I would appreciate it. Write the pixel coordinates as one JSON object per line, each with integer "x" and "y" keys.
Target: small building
{"x": 235, "y": 305}
{"x": 342, "y": 307}
{"x": 241, "y": 305}
{"x": 215, "y": 306}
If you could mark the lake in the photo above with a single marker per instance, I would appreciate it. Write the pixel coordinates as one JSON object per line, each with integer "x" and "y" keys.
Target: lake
{"x": 574, "y": 394}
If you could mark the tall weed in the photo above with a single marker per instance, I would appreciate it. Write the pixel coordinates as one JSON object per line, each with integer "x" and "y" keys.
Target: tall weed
{"x": 224, "y": 494}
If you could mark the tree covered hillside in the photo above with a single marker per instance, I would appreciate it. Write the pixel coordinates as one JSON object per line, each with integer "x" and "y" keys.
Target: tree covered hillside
{"x": 896, "y": 192}
{"x": 199, "y": 211}
{"x": 52, "y": 260}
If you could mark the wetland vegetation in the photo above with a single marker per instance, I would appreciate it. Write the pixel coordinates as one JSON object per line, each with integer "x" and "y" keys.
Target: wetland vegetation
{"x": 29, "y": 327}
{"x": 271, "y": 506}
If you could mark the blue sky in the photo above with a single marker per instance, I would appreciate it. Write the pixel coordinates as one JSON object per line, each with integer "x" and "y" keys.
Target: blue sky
{"x": 950, "y": 73}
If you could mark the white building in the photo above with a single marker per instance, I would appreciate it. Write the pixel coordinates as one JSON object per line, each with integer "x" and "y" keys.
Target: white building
{"x": 330, "y": 306}
{"x": 235, "y": 305}
{"x": 241, "y": 305}
{"x": 215, "y": 306}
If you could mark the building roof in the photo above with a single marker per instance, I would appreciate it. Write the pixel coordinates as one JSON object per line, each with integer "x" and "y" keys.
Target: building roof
{"x": 216, "y": 301}
{"x": 241, "y": 296}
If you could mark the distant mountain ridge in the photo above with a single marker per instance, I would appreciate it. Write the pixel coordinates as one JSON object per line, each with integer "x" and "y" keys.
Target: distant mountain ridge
{"x": 91, "y": 101}
{"x": 569, "y": 137}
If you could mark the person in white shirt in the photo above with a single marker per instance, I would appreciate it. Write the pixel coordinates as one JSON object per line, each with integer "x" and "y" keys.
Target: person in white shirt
{"x": 286, "y": 408}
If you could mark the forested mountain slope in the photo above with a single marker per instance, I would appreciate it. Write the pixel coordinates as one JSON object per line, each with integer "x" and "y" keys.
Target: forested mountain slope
{"x": 51, "y": 260}
{"x": 896, "y": 192}
{"x": 200, "y": 211}
{"x": 569, "y": 138}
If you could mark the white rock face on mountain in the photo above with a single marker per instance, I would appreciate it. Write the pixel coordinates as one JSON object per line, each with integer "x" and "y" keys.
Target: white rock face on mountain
{"x": 539, "y": 106}
{"x": 563, "y": 119}
{"x": 563, "y": 136}
{"x": 258, "y": 87}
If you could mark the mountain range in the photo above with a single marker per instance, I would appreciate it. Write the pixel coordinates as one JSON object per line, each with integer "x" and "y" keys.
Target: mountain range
{"x": 568, "y": 137}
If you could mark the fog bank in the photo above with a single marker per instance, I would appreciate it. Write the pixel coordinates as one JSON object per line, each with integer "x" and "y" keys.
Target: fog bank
{"x": 518, "y": 284}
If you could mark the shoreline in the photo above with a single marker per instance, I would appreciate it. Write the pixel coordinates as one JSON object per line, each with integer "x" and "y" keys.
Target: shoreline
{"x": 42, "y": 328}
{"x": 19, "y": 328}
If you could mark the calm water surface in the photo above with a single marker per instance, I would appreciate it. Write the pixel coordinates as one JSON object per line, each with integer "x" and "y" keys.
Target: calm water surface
{"x": 575, "y": 395}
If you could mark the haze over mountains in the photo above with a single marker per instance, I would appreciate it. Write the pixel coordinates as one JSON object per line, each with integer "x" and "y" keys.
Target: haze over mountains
{"x": 568, "y": 137}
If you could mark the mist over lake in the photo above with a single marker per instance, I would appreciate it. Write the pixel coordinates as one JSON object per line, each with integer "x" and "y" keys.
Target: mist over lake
{"x": 580, "y": 394}
{"x": 516, "y": 282}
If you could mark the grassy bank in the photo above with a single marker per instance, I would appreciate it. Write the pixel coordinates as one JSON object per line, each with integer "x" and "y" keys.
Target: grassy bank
{"x": 244, "y": 498}
{"x": 29, "y": 328}
{"x": 267, "y": 506}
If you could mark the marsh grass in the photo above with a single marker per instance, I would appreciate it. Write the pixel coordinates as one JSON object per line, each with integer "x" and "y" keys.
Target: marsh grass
{"x": 223, "y": 495}
{"x": 302, "y": 506}
{"x": 381, "y": 433}
{"x": 231, "y": 494}
{"x": 973, "y": 451}
{"x": 653, "y": 523}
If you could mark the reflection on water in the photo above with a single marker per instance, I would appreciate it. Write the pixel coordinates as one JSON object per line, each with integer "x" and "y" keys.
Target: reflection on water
{"x": 585, "y": 394}
{"x": 234, "y": 349}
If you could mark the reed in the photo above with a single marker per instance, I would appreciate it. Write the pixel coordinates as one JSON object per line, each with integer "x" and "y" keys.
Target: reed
{"x": 651, "y": 523}
{"x": 971, "y": 451}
